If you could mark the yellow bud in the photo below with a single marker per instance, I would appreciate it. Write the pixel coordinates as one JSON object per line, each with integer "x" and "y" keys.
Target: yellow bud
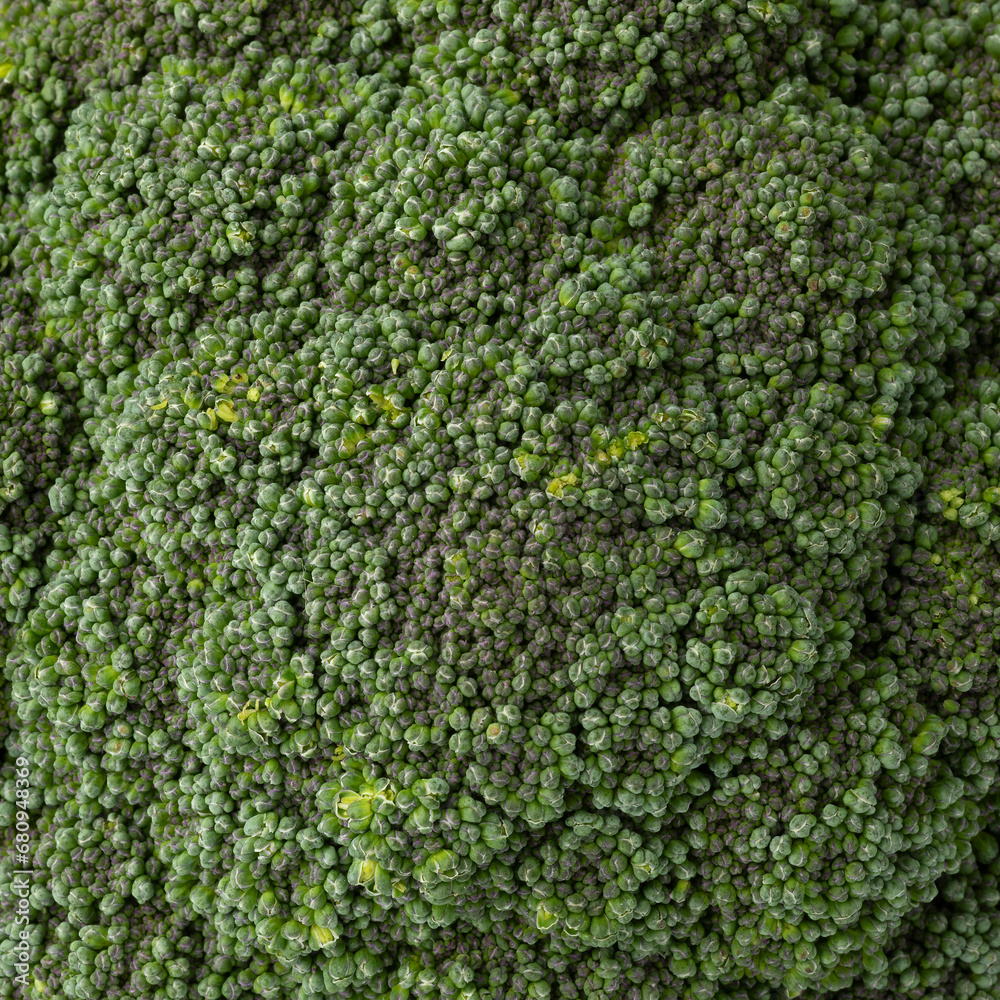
{"x": 321, "y": 936}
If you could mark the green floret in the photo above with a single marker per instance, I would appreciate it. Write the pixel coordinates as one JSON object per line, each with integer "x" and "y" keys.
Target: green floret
{"x": 500, "y": 500}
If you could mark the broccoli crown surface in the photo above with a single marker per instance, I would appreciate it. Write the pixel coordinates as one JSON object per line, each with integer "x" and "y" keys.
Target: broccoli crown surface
{"x": 500, "y": 500}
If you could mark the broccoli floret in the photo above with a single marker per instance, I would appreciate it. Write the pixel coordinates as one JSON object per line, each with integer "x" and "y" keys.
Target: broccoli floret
{"x": 499, "y": 501}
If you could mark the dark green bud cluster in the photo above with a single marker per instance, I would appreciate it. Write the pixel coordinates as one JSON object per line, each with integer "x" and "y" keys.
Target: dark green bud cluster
{"x": 500, "y": 501}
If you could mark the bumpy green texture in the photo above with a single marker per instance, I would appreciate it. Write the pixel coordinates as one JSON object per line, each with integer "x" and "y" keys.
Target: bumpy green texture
{"x": 500, "y": 501}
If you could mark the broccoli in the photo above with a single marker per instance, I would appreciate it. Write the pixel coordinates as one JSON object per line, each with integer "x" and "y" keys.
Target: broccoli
{"x": 500, "y": 501}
